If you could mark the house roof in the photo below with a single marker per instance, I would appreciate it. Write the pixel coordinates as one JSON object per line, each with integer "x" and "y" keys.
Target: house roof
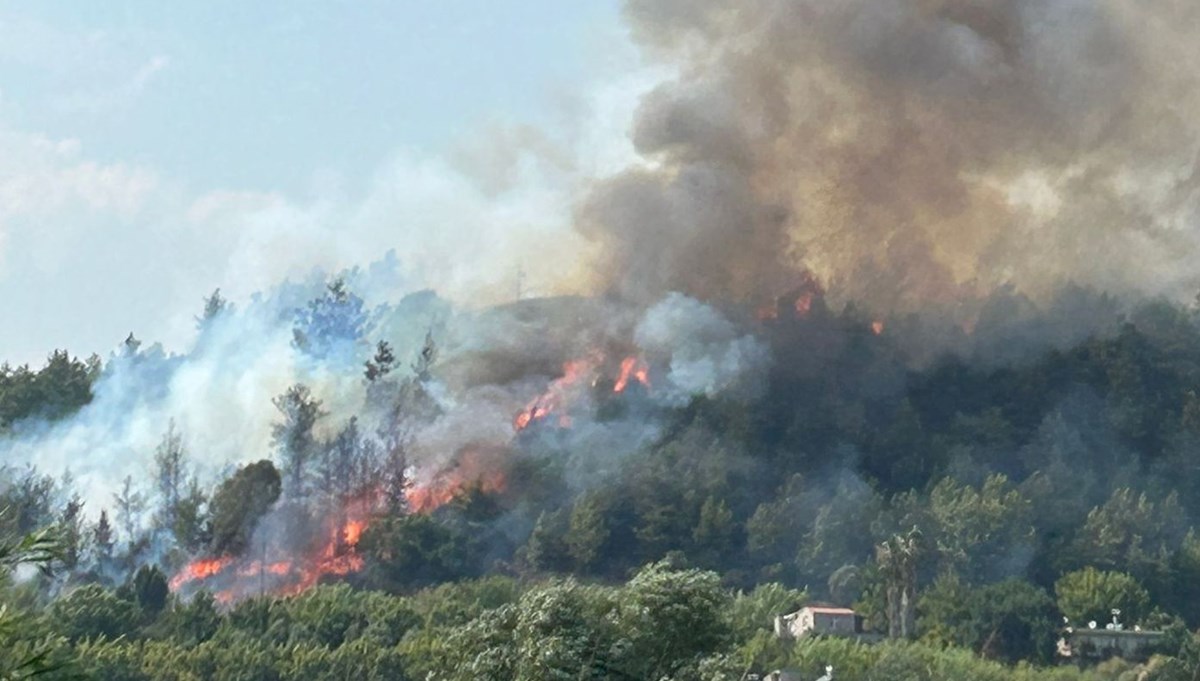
{"x": 822, "y": 610}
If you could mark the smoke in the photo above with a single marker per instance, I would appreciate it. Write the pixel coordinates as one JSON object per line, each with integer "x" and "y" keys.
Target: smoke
{"x": 704, "y": 352}
{"x": 907, "y": 152}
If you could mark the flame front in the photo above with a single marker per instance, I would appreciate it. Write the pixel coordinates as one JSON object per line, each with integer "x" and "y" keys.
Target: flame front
{"x": 337, "y": 553}
{"x": 200, "y": 569}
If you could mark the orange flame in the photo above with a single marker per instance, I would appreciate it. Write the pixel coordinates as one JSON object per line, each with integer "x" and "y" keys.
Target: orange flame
{"x": 472, "y": 467}
{"x": 632, "y": 368}
{"x": 556, "y": 394}
{"x": 200, "y": 569}
{"x": 336, "y": 556}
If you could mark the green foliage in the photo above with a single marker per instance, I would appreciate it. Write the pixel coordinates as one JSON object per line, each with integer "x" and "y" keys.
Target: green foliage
{"x": 150, "y": 590}
{"x": 1072, "y": 469}
{"x": 57, "y": 390}
{"x": 411, "y": 551}
{"x": 294, "y": 438}
{"x": 754, "y": 612}
{"x": 589, "y": 532}
{"x": 980, "y": 532}
{"x": 1008, "y": 621}
{"x": 1091, "y": 594}
{"x": 673, "y": 619}
{"x": 238, "y": 504}
{"x": 196, "y": 621}
{"x": 91, "y": 612}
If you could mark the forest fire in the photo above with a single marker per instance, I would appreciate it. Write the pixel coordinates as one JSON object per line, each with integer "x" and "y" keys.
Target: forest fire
{"x": 335, "y": 554}
{"x": 576, "y": 373}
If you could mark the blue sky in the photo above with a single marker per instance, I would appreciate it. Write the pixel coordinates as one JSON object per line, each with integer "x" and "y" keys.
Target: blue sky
{"x": 150, "y": 151}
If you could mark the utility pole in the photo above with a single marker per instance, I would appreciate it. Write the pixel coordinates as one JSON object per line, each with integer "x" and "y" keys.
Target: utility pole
{"x": 520, "y": 282}
{"x": 262, "y": 570}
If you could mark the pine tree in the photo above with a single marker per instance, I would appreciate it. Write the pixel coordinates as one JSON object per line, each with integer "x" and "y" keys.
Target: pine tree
{"x": 294, "y": 437}
{"x": 381, "y": 364}
{"x": 102, "y": 539}
{"x": 426, "y": 359}
{"x": 130, "y": 504}
{"x": 170, "y": 462}
{"x": 73, "y": 536}
{"x": 214, "y": 306}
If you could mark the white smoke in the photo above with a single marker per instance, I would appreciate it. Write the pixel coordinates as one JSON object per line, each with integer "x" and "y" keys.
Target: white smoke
{"x": 704, "y": 352}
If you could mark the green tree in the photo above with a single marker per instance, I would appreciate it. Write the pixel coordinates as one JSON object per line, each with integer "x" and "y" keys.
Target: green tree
{"x": 673, "y": 620}
{"x": 713, "y": 535}
{"x": 90, "y": 612}
{"x": 196, "y": 621}
{"x": 130, "y": 503}
{"x": 294, "y": 438}
{"x": 1133, "y": 533}
{"x": 589, "y": 532}
{"x": 170, "y": 476}
{"x": 412, "y": 551}
{"x": 1091, "y": 594}
{"x": 546, "y": 549}
{"x": 150, "y": 590}
{"x": 1008, "y": 621}
{"x": 238, "y": 504}
{"x": 980, "y": 533}
{"x": 214, "y": 306}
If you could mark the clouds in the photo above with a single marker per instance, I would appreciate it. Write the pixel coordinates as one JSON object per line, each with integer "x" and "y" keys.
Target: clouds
{"x": 143, "y": 247}
{"x": 44, "y": 181}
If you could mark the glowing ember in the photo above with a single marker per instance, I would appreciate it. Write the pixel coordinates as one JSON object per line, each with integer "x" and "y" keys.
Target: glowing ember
{"x": 353, "y": 531}
{"x": 877, "y": 327}
{"x": 804, "y": 303}
{"x": 632, "y": 368}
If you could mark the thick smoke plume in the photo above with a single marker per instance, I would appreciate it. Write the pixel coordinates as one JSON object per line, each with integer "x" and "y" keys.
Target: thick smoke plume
{"x": 908, "y": 152}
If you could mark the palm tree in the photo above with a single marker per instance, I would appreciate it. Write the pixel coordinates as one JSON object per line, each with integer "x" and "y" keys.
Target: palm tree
{"x": 39, "y": 549}
{"x": 897, "y": 560}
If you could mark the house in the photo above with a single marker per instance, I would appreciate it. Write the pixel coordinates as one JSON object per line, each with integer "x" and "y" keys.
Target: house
{"x": 822, "y": 620}
{"x": 1092, "y": 644}
{"x": 794, "y": 675}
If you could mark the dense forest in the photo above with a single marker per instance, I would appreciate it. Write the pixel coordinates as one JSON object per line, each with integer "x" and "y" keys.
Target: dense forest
{"x": 1031, "y": 476}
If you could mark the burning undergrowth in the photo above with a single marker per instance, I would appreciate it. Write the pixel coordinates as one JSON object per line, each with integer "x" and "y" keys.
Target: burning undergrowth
{"x": 454, "y": 423}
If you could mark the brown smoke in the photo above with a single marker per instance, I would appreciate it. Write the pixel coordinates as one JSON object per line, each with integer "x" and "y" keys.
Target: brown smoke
{"x": 909, "y": 151}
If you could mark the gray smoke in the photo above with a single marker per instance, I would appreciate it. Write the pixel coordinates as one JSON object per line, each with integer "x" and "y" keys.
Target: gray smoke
{"x": 908, "y": 152}
{"x": 704, "y": 353}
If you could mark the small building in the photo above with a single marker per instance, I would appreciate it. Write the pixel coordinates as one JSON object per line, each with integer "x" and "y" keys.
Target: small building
{"x": 794, "y": 675}
{"x": 1091, "y": 645}
{"x": 822, "y": 620}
